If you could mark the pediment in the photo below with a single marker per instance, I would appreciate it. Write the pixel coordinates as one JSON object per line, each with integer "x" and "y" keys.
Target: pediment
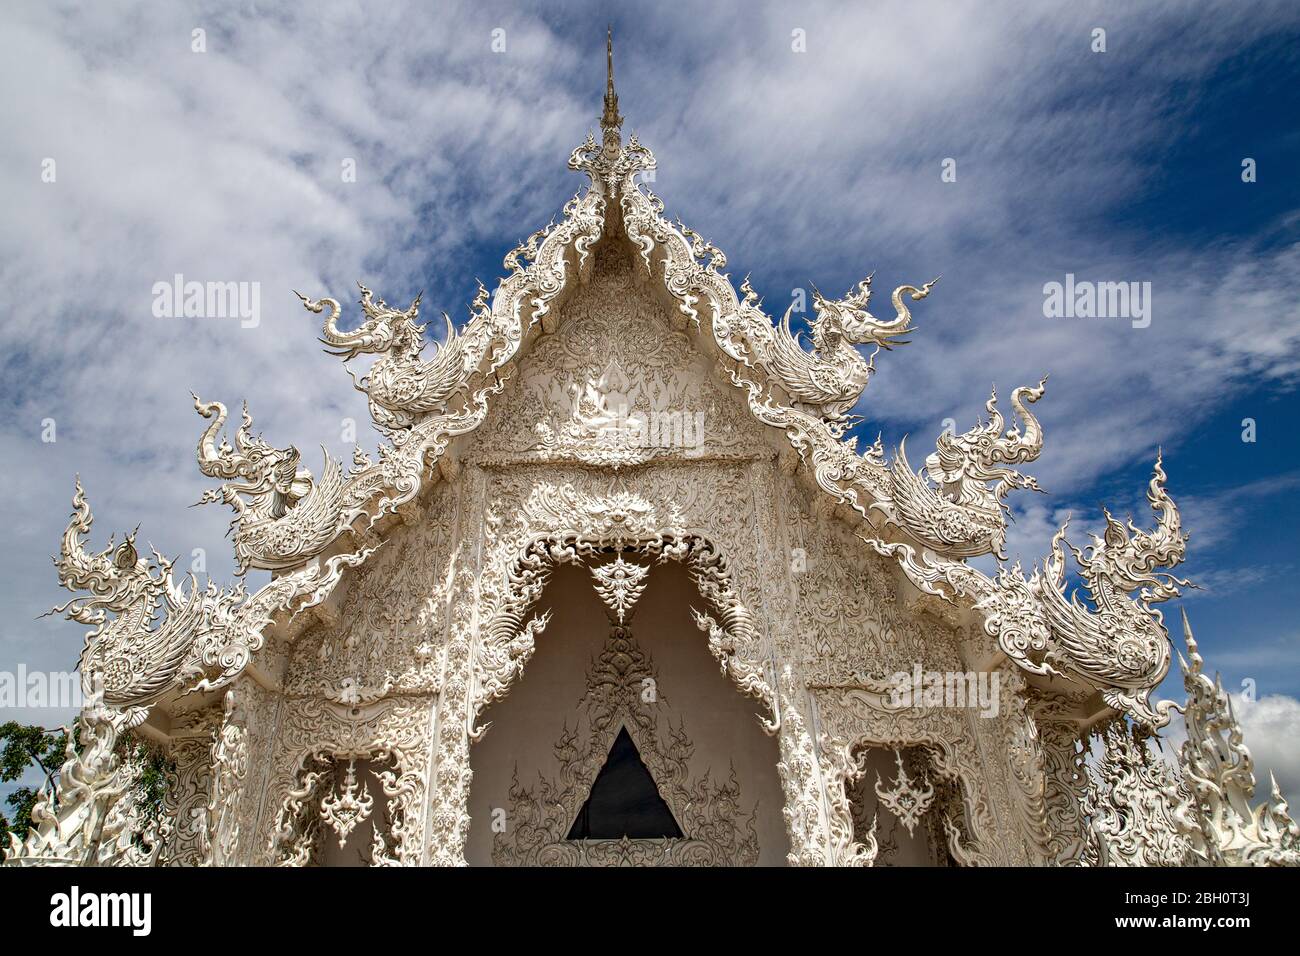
{"x": 609, "y": 324}
{"x": 612, "y": 311}
{"x": 616, "y": 383}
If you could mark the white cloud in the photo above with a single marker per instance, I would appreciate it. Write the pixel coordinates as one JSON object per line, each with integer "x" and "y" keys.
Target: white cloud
{"x": 1217, "y": 515}
{"x": 1271, "y": 726}
{"x": 225, "y": 166}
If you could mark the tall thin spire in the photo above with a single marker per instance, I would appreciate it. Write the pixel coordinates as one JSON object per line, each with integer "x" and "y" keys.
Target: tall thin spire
{"x": 611, "y": 121}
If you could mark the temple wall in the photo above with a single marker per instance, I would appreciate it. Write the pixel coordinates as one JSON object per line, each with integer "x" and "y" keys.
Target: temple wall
{"x": 385, "y": 636}
{"x": 855, "y": 633}
{"x": 690, "y": 697}
{"x": 617, "y": 410}
{"x": 851, "y": 622}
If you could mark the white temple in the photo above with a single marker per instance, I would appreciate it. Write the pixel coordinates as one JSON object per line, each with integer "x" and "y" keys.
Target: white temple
{"x": 617, "y": 589}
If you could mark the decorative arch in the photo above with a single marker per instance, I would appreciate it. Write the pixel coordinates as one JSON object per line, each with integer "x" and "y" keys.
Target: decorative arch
{"x": 493, "y": 636}
{"x": 855, "y": 719}
{"x": 563, "y": 526}
{"x": 318, "y": 736}
{"x": 709, "y": 818}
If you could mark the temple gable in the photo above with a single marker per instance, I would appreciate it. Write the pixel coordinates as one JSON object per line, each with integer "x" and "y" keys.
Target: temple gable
{"x": 622, "y": 509}
{"x": 616, "y": 385}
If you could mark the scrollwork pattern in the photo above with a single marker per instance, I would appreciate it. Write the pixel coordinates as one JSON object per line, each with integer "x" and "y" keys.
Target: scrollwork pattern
{"x": 716, "y": 830}
{"x": 490, "y": 474}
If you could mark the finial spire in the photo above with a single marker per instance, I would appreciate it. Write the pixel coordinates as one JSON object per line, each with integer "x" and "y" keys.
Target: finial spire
{"x": 610, "y": 121}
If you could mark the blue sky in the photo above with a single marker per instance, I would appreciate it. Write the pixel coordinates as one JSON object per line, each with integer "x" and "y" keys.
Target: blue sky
{"x": 813, "y": 167}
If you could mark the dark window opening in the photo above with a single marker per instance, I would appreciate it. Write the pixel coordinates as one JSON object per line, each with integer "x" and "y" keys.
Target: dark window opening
{"x": 624, "y": 800}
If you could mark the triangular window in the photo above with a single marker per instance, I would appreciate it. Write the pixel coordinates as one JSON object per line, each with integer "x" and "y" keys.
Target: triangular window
{"x": 624, "y": 800}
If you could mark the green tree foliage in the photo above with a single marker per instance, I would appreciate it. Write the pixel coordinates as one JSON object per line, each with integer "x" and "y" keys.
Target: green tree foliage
{"x": 23, "y": 746}
{"x": 151, "y": 781}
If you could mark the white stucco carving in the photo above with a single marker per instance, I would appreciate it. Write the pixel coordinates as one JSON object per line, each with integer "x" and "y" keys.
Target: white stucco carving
{"x": 617, "y": 403}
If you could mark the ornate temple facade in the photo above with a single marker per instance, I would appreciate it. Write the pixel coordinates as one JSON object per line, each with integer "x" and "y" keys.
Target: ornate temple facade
{"x": 619, "y": 588}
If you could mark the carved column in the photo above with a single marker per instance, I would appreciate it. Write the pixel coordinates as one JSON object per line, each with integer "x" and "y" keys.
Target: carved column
{"x": 1065, "y": 791}
{"x": 449, "y": 802}
{"x": 806, "y": 816}
{"x": 189, "y": 786}
{"x": 1132, "y": 813}
{"x": 229, "y": 768}
{"x": 1027, "y": 766}
{"x": 241, "y": 770}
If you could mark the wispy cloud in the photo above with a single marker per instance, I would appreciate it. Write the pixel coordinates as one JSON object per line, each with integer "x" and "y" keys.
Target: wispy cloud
{"x": 1216, "y": 515}
{"x": 227, "y": 166}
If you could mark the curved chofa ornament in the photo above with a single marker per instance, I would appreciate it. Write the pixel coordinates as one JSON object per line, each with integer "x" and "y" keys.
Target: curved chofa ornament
{"x": 145, "y": 624}
{"x": 831, "y": 378}
{"x": 1120, "y": 645}
{"x": 161, "y": 643}
{"x": 282, "y": 514}
{"x": 1218, "y": 773}
{"x": 961, "y": 516}
{"x": 151, "y": 637}
{"x": 401, "y": 386}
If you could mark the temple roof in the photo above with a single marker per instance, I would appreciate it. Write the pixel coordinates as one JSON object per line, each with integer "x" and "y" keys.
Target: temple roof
{"x": 806, "y": 393}
{"x": 930, "y": 521}
{"x": 311, "y": 529}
